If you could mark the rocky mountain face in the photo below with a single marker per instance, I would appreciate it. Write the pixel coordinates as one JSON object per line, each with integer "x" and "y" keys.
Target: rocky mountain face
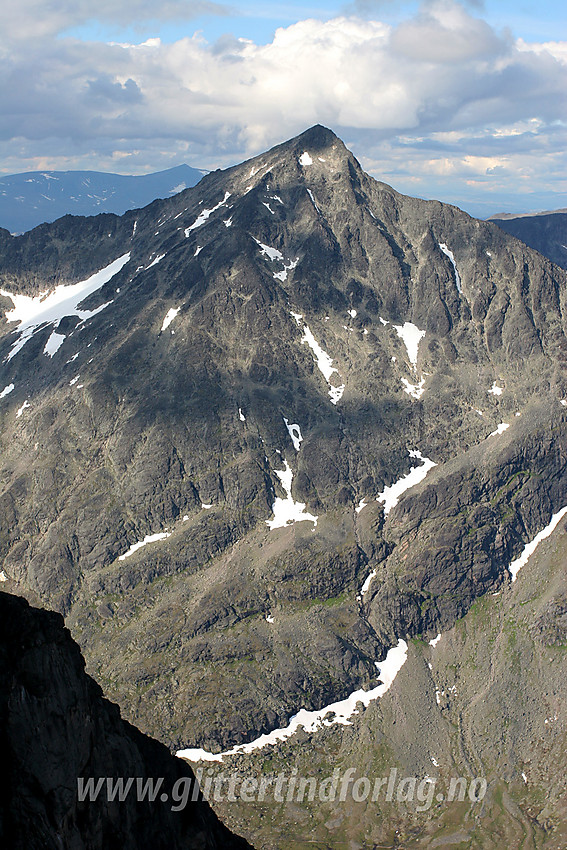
{"x": 486, "y": 701}
{"x": 546, "y": 232}
{"x": 204, "y": 443}
{"x": 34, "y": 197}
{"x": 56, "y": 728}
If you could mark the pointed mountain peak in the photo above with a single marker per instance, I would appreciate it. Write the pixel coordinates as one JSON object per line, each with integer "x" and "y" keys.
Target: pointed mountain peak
{"x": 318, "y": 138}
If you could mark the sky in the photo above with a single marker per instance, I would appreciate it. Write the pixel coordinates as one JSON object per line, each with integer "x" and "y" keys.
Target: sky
{"x": 460, "y": 100}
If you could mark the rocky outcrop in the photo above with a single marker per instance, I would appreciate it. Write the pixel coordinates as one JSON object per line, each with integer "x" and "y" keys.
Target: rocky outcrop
{"x": 56, "y": 730}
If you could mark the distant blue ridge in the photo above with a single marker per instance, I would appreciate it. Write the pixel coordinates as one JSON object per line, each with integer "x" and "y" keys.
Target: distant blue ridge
{"x": 35, "y": 197}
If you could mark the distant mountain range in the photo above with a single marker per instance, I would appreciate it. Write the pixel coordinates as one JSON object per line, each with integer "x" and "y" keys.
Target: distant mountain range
{"x": 546, "y": 232}
{"x": 34, "y": 197}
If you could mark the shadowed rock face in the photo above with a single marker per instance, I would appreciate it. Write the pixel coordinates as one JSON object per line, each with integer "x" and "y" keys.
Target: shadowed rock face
{"x": 55, "y": 726}
{"x": 545, "y": 233}
{"x": 163, "y": 414}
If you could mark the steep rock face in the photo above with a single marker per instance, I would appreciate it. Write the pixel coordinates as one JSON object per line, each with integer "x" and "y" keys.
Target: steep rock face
{"x": 291, "y": 287}
{"x": 55, "y": 727}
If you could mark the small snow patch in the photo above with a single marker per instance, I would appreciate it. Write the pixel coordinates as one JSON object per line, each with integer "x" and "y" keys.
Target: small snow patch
{"x": 48, "y": 308}
{"x": 269, "y": 618}
{"x": 287, "y": 268}
{"x": 169, "y": 317}
{"x": 3, "y": 576}
{"x": 361, "y": 505}
{"x": 516, "y": 565}
{"x": 294, "y": 432}
{"x": 391, "y": 495}
{"x": 352, "y": 313}
{"x": 241, "y": 416}
{"x": 335, "y": 713}
{"x": 206, "y": 507}
{"x": 322, "y": 359}
{"x": 434, "y": 641}
{"x": 415, "y": 390}
{"x": 267, "y": 251}
{"x": 287, "y": 511}
{"x": 449, "y": 254}
{"x": 313, "y": 201}
{"x": 500, "y": 429}
{"x": 54, "y": 343}
{"x": 411, "y": 336}
{"x": 202, "y": 218}
{"x": 495, "y": 389}
{"x": 157, "y": 260}
{"x": 305, "y": 159}
{"x": 24, "y": 406}
{"x": 367, "y": 583}
{"x": 7, "y": 390}
{"x": 149, "y": 538}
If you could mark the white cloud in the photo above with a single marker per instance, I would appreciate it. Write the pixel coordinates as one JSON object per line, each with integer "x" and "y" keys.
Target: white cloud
{"x": 443, "y": 93}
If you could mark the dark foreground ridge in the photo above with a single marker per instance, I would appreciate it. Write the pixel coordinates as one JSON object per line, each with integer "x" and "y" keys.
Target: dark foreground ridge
{"x": 55, "y": 726}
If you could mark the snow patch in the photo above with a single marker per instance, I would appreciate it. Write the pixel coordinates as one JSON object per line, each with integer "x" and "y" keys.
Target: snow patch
{"x": 287, "y": 267}
{"x": 33, "y": 312}
{"x": 495, "y": 389}
{"x": 169, "y": 317}
{"x": 287, "y": 511}
{"x": 500, "y": 429}
{"x": 313, "y": 201}
{"x": 156, "y": 261}
{"x": 335, "y": 713}
{"x": 7, "y": 390}
{"x": 352, "y": 313}
{"x": 367, "y": 583}
{"x": 322, "y": 359}
{"x": 267, "y": 251}
{"x": 269, "y": 618}
{"x": 411, "y": 336}
{"x": 361, "y": 505}
{"x": 241, "y": 416}
{"x": 294, "y": 432}
{"x": 391, "y": 495}
{"x": 449, "y": 254}
{"x": 516, "y": 565}
{"x": 434, "y": 641}
{"x": 54, "y": 343}
{"x": 149, "y": 538}
{"x": 202, "y": 218}
{"x": 24, "y": 406}
{"x": 305, "y": 159}
{"x": 415, "y": 390}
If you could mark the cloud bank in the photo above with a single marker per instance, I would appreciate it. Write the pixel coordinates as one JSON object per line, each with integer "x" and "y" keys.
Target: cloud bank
{"x": 440, "y": 100}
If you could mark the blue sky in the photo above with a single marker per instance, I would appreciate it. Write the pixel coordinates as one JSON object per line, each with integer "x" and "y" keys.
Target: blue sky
{"x": 462, "y": 100}
{"x": 258, "y": 21}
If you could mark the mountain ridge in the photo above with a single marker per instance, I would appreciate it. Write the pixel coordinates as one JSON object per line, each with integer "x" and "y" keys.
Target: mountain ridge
{"x": 35, "y": 197}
